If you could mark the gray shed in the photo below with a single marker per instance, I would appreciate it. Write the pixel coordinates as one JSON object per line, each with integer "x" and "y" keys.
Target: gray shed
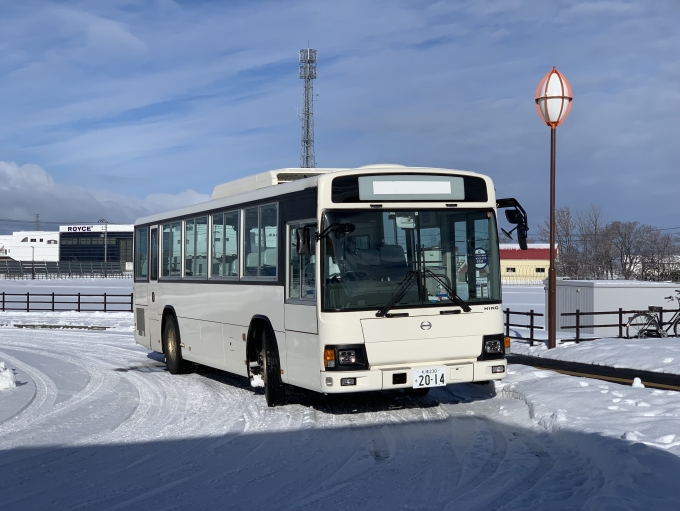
{"x": 607, "y": 295}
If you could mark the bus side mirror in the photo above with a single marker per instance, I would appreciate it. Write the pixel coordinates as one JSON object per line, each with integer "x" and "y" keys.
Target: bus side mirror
{"x": 303, "y": 240}
{"x": 516, "y": 216}
{"x": 513, "y": 216}
{"x": 522, "y": 236}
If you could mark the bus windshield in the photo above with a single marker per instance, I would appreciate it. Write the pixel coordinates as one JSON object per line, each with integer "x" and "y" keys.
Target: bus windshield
{"x": 368, "y": 255}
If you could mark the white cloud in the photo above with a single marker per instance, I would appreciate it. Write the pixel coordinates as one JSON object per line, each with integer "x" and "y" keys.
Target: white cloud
{"x": 28, "y": 189}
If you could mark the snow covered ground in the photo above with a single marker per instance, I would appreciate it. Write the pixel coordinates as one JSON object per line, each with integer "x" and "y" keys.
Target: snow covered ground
{"x": 658, "y": 355}
{"x": 95, "y": 422}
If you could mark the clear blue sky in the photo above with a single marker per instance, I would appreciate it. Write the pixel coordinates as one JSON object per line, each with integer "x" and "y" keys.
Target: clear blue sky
{"x": 114, "y": 109}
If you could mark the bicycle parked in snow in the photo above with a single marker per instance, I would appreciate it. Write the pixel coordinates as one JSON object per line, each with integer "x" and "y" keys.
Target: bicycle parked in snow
{"x": 649, "y": 324}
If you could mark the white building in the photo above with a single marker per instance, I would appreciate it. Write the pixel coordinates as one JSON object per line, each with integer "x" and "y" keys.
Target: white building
{"x": 30, "y": 246}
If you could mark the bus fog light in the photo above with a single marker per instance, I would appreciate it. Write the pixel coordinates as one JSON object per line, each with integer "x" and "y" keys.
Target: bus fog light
{"x": 348, "y": 381}
{"x": 493, "y": 346}
{"x": 498, "y": 369}
{"x": 329, "y": 382}
{"x": 347, "y": 357}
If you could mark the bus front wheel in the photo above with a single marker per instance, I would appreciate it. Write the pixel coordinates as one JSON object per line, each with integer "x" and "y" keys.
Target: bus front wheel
{"x": 173, "y": 347}
{"x": 274, "y": 389}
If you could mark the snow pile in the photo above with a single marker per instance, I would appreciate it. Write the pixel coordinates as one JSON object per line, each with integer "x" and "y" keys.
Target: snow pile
{"x": 120, "y": 321}
{"x": 657, "y": 355}
{"x": 559, "y": 402}
{"x": 7, "y": 380}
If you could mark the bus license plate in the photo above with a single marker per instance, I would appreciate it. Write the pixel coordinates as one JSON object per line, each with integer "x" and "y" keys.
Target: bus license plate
{"x": 429, "y": 377}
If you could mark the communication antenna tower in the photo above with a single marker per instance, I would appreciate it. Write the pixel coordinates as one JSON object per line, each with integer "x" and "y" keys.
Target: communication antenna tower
{"x": 308, "y": 74}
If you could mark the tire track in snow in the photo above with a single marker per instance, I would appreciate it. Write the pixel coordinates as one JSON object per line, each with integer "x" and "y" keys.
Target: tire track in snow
{"x": 45, "y": 396}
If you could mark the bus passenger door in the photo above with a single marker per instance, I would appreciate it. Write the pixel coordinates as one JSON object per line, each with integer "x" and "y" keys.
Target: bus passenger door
{"x": 300, "y": 316}
{"x": 154, "y": 312}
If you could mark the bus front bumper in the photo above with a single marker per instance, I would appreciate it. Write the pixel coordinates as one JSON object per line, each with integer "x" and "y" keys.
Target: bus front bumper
{"x": 401, "y": 377}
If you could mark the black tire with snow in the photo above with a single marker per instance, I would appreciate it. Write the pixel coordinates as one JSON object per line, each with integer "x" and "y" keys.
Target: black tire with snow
{"x": 173, "y": 347}
{"x": 274, "y": 388}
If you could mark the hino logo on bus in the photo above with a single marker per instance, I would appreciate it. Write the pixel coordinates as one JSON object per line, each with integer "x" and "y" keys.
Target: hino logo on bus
{"x": 425, "y": 325}
{"x": 493, "y": 308}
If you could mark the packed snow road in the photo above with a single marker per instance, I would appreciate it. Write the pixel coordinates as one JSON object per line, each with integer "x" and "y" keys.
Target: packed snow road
{"x": 96, "y": 422}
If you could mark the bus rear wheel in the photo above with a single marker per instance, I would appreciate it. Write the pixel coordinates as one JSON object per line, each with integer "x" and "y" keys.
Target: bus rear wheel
{"x": 274, "y": 388}
{"x": 173, "y": 347}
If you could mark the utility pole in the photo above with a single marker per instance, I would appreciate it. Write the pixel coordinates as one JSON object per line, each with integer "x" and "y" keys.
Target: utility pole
{"x": 37, "y": 221}
{"x": 308, "y": 74}
{"x": 106, "y": 228}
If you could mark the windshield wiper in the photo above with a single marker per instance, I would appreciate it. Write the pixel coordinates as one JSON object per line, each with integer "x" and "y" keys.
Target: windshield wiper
{"x": 399, "y": 293}
{"x": 453, "y": 296}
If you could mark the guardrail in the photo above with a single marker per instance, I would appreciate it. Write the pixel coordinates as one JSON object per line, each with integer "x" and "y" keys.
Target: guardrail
{"x": 531, "y": 326}
{"x": 79, "y": 302}
{"x": 621, "y": 324}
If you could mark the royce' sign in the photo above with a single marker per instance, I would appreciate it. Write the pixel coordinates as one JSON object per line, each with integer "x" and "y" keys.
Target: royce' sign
{"x": 79, "y": 228}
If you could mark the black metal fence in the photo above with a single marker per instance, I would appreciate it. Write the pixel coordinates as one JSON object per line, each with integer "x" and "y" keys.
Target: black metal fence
{"x": 79, "y": 302}
{"x": 622, "y": 317}
{"x": 10, "y": 269}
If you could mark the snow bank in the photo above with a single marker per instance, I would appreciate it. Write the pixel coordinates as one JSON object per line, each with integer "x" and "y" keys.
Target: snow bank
{"x": 560, "y": 402}
{"x": 118, "y": 321}
{"x": 7, "y": 380}
{"x": 656, "y": 355}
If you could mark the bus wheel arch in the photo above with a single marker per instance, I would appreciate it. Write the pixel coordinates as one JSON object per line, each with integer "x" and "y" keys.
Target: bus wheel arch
{"x": 263, "y": 360}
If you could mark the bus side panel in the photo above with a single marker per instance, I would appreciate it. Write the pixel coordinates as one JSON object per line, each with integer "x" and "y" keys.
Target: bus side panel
{"x": 303, "y": 360}
{"x": 190, "y": 335}
{"x": 142, "y": 326}
{"x": 228, "y": 304}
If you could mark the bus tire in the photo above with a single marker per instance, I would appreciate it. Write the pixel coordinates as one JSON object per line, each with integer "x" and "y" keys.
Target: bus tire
{"x": 173, "y": 346}
{"x": 274, "y": 388}
{"x": 417, "y": 392}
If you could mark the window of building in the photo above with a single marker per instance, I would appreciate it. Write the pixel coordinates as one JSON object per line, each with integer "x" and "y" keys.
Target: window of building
{"x": 540, "y": 270}
{"x": 172, "y": 250}
{"x": 24, "y": 240}
{"x": 141, "y": 253}
{"x": 53, "y": 242}
{"x": 41, "y": 240}
{"x": 225, "y": 229}
{"x": 32, "y": 240}
{"x": 510, "y": 270}
{"x": 260, "y": 241}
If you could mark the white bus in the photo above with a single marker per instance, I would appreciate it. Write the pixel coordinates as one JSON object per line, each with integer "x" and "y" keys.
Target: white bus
{"x": 332, "y": 280}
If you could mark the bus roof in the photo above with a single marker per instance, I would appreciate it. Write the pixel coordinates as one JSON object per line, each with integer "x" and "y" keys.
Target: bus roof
{"x": 276, "y": 182}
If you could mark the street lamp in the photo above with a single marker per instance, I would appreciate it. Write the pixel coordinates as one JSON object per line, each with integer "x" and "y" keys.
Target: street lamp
{"x": 553, "y": 102}
{"x": 106, "y": 225}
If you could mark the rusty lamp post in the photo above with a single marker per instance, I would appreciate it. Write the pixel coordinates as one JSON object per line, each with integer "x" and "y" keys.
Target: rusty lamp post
{"x": 553, "y": 102}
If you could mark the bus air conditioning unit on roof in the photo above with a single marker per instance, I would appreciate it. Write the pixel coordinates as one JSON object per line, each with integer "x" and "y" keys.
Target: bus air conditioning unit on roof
{"x": 263, "y": 180}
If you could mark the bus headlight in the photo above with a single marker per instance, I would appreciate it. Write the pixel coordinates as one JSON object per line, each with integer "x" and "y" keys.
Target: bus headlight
{"x": 493, "y": 346}
{"x": 346, "y": 357}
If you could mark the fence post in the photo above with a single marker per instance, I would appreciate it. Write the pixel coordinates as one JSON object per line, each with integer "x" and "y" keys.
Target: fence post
{"x": 52, "y": 302}
{"x": 28, "y": 302}
{"x": 507, "y": 322}
{"x": 104, "y": 302}
{"x": 131, "y": 302}
{"x": 578, "y": 325}
{"x": 620, "y": 322}
{"x": 3, "y": 301}
{"x": 661, "y": 318}
{"x": 78, "y": 302}
{"x": 531, "y": 326}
